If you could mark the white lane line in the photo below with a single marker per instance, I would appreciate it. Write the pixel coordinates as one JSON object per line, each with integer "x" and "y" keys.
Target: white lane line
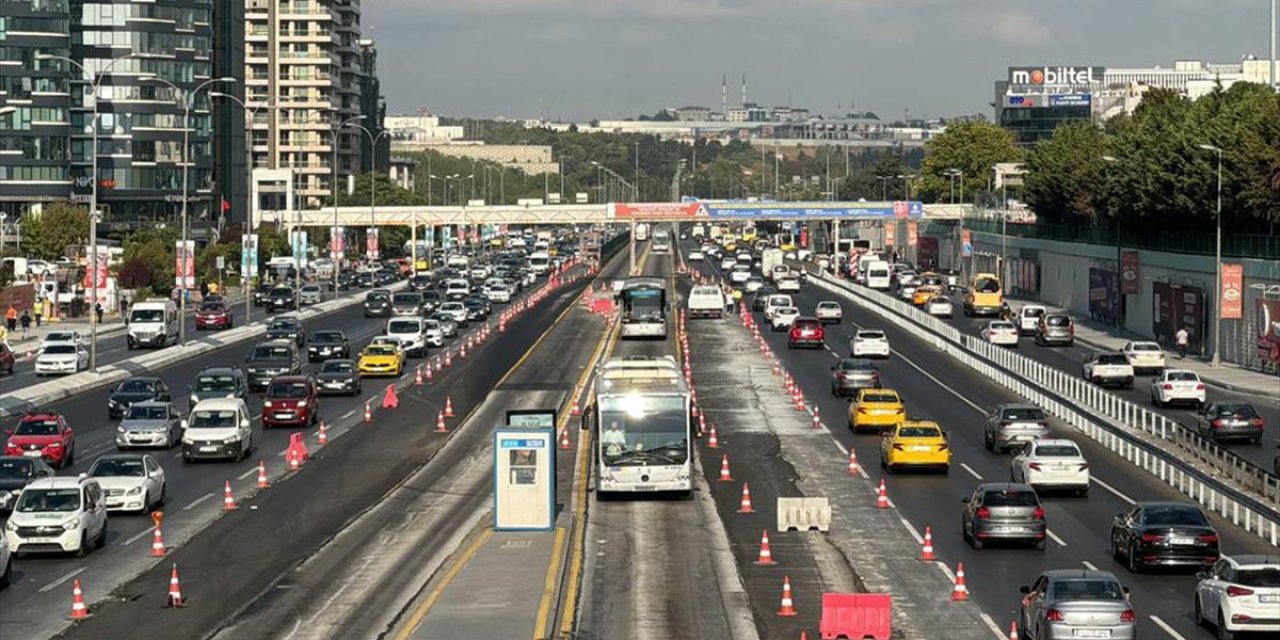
{"x": 195, "y": 503}
{"x": 1167, "y": 629}
{"x": 911, "y": 529}
{"x": 54, "y": 585}
{"x": 139, "y": 536}
{"x": 256, "y": 416}
{"x": 991, "y": 624}
{"x": 1113, "y": 490}
{"x": 246, "y": 474}
{"x": 1089, "y": 565}
{"x": 951, "y": 576}
{"x": 971, "y": 471}
{"x": 940, "y": 383}
{"x": 1054, "y": 536}
{"x": 347, "y": 414}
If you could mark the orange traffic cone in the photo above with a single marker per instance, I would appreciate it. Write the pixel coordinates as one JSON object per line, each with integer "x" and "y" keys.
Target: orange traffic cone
{"x": 926, "y": 552}
{"x": 417, "y": 377}
{"x": 853, "y": 462}
{"x": 882, "y": 496}
{"x": 702, "y": 423}
{"x": 960, "y": 592}
{"x": 440, "y": 428}
{"x": 788, "y": 608}
{"x": 693, "y": 408}
{"x": 777, "y": 368}
{"x": 389, "y": 399}
{"x": 714, "y": 441}
{"x": 174, "y": 601}
{"x": 78, "y": 610}
{"x": 744, "y": 506}
{"x": 448, "y": 407}
{"x": 431, "y": 376}
{"x": 575, "y": 410}
{"x": 368, "y": 411}
{"x": 294, "y": 460}
{"x": 228, "y": 499}
{"x": 564, "y": 439}
{"x": 448, "y": 358}
{"x": 157, "y": 544}
{"x": 462, "y": 352}
{"x": 1013, "y": 630}
{"x": 724, "y": 469}
{"x": 322, "y": 437}
{"x": 263, "y": 482}
{"x": 766, "y": 556}
{"x": 817, "y": 419}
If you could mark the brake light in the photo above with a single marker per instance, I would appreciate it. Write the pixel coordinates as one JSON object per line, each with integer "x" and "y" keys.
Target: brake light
{"x": 862, "y": 410}
{"x": 1257, "y": 422}
{"x": 1199, "y": 386}
{"x": 1035, "y": 466}
{"x": 1234, "y": 591}
{"x": 1152, "y": 537}
{"x": 1127, "y": 616}
{"x": 1053, "y": 615}
{"x": 901, "y": 410}
{"x": 1208, "y": 538}
{"x": 1084, "y": 465}
{"x": 1005, "y": 423}
{"x": 1168, "y": 387}
{"x": 1217, "y": 424}
{"x": 1038, "y": 514}
{"x": 983, "y": 513}
{"x": 942, "y": 447}
{"x": 841, "y": 375}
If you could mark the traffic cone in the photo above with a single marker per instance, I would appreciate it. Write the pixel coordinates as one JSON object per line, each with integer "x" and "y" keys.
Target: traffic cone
{"x": 926, "y": 552}
{"x": 417, "y": 378}
{"x": 777, "y": 368}
{"x": 448, "y": 407}
{"x": 714, "y": 441}
{"x": 702, "y": 423}
{"x": 448, "y": 358}
{"x": 693, "y": 408}
{"x": 430, "y": 374}
{"x": 440, "y": 428}
{"x": 817, "y": 418}
{"x": 263, "y": 482}
{"x": 368, "y": 411}
{"x": 882, "y": 496}
{"x": 322, "y": 438}
{"x": 575, "y": 410}
{"x": 157, "y": 544}
{"x": 766, "y": 556}
{"x": 744, "y": 506}
{"x": 78, "y": 610}
{"x": 724, "y": 469}
{"x": 564, "y": 439}
{"x": 788, "y": 608}
{"x": 960, "y": 592}
{"x": 174, "y": 601}
{"x": 502, "y": 325}
{"x": 853, "y": 462}
{"x": 228, "y": 499}
{"x": 462, "y": 352}
{"x": 295, "y": 461}
{"x": 1013, "y": 630}
{"x": 389, "y": 399}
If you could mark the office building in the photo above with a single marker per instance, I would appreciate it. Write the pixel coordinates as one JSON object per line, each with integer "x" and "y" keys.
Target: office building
{"x": 230, "y": 155}
{"x": 376, "y": 156}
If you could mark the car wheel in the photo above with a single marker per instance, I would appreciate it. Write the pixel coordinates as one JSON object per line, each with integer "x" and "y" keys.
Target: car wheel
{"x": 146, "y": 504}
{"x": 1223, "y": 633}
{"x": 1131, "y": 559}
{"x": 164, "y": 495}
{"x": 974, "y": 542}
{"x": 70, "y": 458}
{"x": 101, "y": 540}
{"x": 6, "y": 573}
{"x": 84, "y": 545}
{"x": 1040, "y": 544}
{"x": 989, "y": 444}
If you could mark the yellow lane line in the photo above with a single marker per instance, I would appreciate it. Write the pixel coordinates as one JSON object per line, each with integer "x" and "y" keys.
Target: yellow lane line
{"x": 549, "y": 586}
{"x": 411, "y": 625}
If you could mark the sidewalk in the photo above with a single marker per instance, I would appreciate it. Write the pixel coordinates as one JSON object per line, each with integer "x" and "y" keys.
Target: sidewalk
{"x": 112, "y": 323}
{"x": 1227, "y": 376}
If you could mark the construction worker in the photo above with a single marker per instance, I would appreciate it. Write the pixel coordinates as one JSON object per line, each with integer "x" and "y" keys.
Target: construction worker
{"x": 39, "y": 311}
{"x": 11, "y": 318}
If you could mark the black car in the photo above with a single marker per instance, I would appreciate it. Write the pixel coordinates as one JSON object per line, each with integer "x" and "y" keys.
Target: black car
{"x": 218, "y": 382}
{"x": 365, "y": 280}
{"x": 326, "y": 345}
{"x": 377, "y": 304}
{"x": 131, "y": 390}
{"x": 17, "y": 472}
{"x": 261, "y": 292}
{"x": 761, "y": 297}
{"x": 282, "y": 298}
{"x": 344, "y": 281}
{"x": 477, "y": 308}
{"x": 270, "y": 359}
{"x": 431, "y": 300}
{"x": 287, "y": 328}
{"x": 1167, "y": 534}
{"x": 338, "y": 377}
{"x": 421, "y": 282}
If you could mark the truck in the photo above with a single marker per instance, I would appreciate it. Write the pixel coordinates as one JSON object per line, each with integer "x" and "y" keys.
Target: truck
{"x": 642, "y": 231}
{"x": 706, "y": 301}
{"x": 699, "y": 230}
{"x": 770, "y": 258}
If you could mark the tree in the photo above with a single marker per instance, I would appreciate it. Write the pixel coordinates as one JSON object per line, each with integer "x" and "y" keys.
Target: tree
{"x": 207, "y": 262}
{"x": 973, "y": 147}
{"x": 149, "y": 254}
{"x": 60, "y": 225}
{"x": 1064, "y": 181}
{"x": 136, "y": 273}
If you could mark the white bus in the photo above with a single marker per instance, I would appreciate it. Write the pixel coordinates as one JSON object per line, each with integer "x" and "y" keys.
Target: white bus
{"x": 643, "y": 302}
{"x": 642, "y": 426}
{"x": 661, "y": 241}
{"x": 642, "y": 231}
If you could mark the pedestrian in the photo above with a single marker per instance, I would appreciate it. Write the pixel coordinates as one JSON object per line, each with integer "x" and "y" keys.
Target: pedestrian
{"x": 204, "y": 290}
{"x": 97, "y": 308}
{"x": 1182, "y": 338}
{"x": 39, "y": 311}
{"x": 11, "y": 318}
{"x": 26, "y": 322}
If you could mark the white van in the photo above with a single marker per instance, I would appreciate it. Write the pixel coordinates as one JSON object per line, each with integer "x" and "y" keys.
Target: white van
{"x": 879, "y": 275}
{"x": 412, "y": 333}
{"x": 152, "y": 323}
{"x": 540, "y": 262}
{"x": 456, "y": 289}
{"x": 74, "y": 507}
{"x": 706, "y": 301}
{"x": 217, "y": 428}
{"x": 458, "y": 261}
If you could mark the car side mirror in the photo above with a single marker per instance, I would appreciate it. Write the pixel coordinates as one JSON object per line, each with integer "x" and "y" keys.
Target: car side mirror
{"x": 83, "y": 475}
{"x": 183, "y": 423}
{"x": 1202, "y": 575}
{"x": 1024, "y": 590}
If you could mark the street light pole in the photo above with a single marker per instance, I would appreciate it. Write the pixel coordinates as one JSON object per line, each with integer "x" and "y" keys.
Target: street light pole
{"x": 333, "y": 239}
{"x": 373, "y": 171}
{"x": 1217, "y": 260}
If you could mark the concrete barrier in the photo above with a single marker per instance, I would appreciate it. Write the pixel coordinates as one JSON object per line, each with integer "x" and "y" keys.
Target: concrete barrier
{"x": 804, "y": 514}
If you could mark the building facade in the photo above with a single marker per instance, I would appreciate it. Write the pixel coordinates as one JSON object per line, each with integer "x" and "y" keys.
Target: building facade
{"x": 230, "y": 155}
{"x": 376, "y": 152}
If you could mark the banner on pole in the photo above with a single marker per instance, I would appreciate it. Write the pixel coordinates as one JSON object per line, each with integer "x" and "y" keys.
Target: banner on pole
{"x": 890, "y": 234}
{"x": 966, "y": 243}
{"x": 337, "y": 243}
{"x": 371, "y": 243}
{"x": 1130, "y": 273}
{"x": 298, "y": 246}
{"x": 1232, "y": 303}
{"x": 185, "y": 264}
{"x": 913, "y": 233}
{"x": 249, "y": 255}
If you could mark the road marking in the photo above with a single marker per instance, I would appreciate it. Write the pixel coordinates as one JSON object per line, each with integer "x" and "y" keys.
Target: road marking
{"x": 911, "y": 528}
{"x": 549, "y": 586}
{"x": 139, "y": 536}
{"x": 940, "y": 383}
{"x": 347, "y": 414}
{"x": 420, "y": 613}
{"x": 1089, "y": 565}
{"x": 54, "y": 585}
{"x": 971, "y": 471}
{"x": 195, "y": 503}
{"x": 1167, "y": 629}
{"x": 1113, "y": 490}
{"x": 991, "y": 624}
{"x": 246, "y": 474}
{"x": 1054, "y": 536}
{"x": 945, "y": 570}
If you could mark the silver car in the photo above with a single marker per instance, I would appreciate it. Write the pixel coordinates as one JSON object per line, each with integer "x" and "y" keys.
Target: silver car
{"x": 310, "y": 294}
{"x": 149, "y": 424}
{"x": 1076, "y": 603}
{"x": 448, "y": 325}
{"x": 1003, "y": 511}
{"x": 1012, "y": 424}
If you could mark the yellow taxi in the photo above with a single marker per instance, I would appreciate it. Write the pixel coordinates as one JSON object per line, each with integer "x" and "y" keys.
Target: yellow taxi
{"x": 916, "y": 444}
{"x": 925, "y": 293}
{"x": 381, "y": 359}
{"x": 877, "y": 409}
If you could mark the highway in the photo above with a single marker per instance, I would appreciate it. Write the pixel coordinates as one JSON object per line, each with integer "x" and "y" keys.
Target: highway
{"x": 938, "y": 388}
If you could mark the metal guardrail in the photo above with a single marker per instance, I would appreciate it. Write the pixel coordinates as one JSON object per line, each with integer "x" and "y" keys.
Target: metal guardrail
{"x": 1131, "y": 431}
{"x": 1235, "y": 245}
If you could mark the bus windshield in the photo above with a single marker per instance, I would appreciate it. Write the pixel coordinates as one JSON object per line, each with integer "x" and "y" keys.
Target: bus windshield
{"x": 644, "y": 304}
{"x": 643, "y": 430}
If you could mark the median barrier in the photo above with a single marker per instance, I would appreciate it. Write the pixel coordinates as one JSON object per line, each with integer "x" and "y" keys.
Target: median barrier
{"x": 803, "y": 514}
{"x": 856, "y": 616}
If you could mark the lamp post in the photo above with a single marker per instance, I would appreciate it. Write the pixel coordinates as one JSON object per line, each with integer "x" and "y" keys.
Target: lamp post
{"x": 94, "y": 83}
{"x": 884, "y": 187}
{"x": 333, "y": 131}
{"x": 373, "y": 169}
{"x": 1217, "y": 260}
{"x": 953, "y": 173}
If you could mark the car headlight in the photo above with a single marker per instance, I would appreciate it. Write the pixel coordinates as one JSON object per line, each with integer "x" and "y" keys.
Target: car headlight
{"x": 195, "y": 398}
{"x": 266, "y": 403}
{"x": 134, "y": 491}
{"x": 54, "y": 445}
{"x": 302, "y": 404}
{"x": 11, "y": 525}
{"x": 73, "y": 523}
{"x": 230, "y": 439}
{"x": 120, "y": 429}
{"x": 111, "y": 402}
{"x": 188, "y": 441}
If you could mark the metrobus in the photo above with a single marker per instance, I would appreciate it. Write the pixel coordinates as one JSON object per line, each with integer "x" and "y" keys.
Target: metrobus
{"x": 661, "y": 241}
{"x": 641, "y": 421}
{"x": 643, "y": 302}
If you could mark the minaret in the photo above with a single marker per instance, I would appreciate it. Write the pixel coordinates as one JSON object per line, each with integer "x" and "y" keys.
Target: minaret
{"x": 744, "y": 90}
{"x": 724, "y": 95}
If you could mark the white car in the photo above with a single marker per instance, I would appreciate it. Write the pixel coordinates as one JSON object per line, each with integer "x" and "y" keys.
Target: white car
{"x": 1240, "y": 594}
{"x": 939, "y": 306}
{"x": 1107, "y": 368}
{"x": 740, "y": 274}
{"x": 61, "y": 358}
{"x": 131, "y": 481}
{"x": 455, "y": 310}
{"x": 695, "y": 256}
{"x": 1051, "y": 463}
{"x": 1001, "y": 332}
{"x": 907, "y": 292}
{"x": 789, "y": 283}
{"x": 753, "y": 284}
{"x": 61, "y": 337}
{"x": 828, "y": 311}
{"x": 1146, "y": 357}
{"x": 775, "y": 302}
{"x": 1177, "y": 385}
{"x": 868, "y": 343}
{"x": 412, "y": 333}
{"x": 727, "y": 263}
{"x": 1028, "y": 318}
{"x": 72, "y": 510}
{"x": 497, "y": 293}
{"x": 783, "y": 317}
{"x": 435, "y": 333}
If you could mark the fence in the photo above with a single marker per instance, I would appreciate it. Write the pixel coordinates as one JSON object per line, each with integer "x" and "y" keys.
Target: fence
{"x": 1131, "y": 431}
{"x": 1234, "y": 245}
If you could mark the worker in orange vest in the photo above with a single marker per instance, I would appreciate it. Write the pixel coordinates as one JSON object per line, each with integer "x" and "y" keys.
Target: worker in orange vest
{"x": 11, "y": 318}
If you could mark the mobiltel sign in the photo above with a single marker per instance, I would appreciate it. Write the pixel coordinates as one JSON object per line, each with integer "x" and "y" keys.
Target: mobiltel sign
{"x": 1056, "y": 76}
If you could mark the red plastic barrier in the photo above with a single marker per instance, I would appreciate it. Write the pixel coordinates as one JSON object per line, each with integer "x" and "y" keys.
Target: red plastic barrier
{"x": 601, "y": 305}
{"x": 856, "y": 616}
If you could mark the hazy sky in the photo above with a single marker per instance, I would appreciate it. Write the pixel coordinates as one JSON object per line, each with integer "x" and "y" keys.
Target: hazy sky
{"x": 582, "y": 59}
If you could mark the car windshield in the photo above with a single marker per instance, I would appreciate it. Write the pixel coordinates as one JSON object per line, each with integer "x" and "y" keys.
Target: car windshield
{"x": 987, "y": 285}
{"x": 46, "y": 500}
{"x": 1183, "y": 376}
{"x": 1086, "y": 590}
{"x": 404, "y": 326}
{"x": 327, "y": 336}
{"x": 856, "y": 365}
{"x": 1057, "y": 321}
{"x": 37, "y": 427}
{"x": 1002, "y": 326}
{"x": 406, "y": 298}
{"x": 1022, "y": 414}
{"x": 1057, "y": 451}
{"x": 881, "y": 397}
{"x": 283, "y": 325}
{"x": 337, "y": 366}
{"x": 1112, "y": 358}
{"x": 287, "y": 390}
{"x": 377, "y": 297}
{"x": 271, "y": 353}
{"x": 311, "y": 288}
{"x": 137, "y": 412}
{"x": 828, "y": 305}
{"x": 209, "y": 419}
{"x": 1145, "y": 346}
{"x": 146, "y": 315}
{"x": 380, "y": 350}
{"x": 919, "y": 432}
{"x": 118, "y": 468}
{"x": 281, "y": 292}
{"x": 59, "y": 336}
{"x": 135, "y": 386}
{"x": 17, "y": 468}
{"x": 1174, "y": 514}
{"x": 60, "y": 349}
{"x": 1264, "y": 577}
{"x": 215, "y": 383}
{"x": 1032, "y": 312}
{"x": 1241, "y": 410}
{"x": 1010, "y": 498}
{"x": 870, "y": 335}
{"x": 212, "y": 308}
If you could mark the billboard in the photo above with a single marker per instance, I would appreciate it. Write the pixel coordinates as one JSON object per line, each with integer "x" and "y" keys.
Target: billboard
{"x": 249, "y": 255}
{"x": 1104, "y": 298}
{"x": 184, "y": 268}
{"x": 371, "y": 243}
{"x": 1130, "y": 273}
{"x": 1267, "y": 313}
{"x": 899, "y": 209}
{"x": 337, "y": 243}
{"x": 1177, "y": 307}
{"x": 1056, "y": 76}
{"x": 1020, "y": 102}
{"x": 658, "y": 210}
{"x": 913, "y": 234}
{"x": 1231, "y": 307}
{"x": 1070, "y": 100}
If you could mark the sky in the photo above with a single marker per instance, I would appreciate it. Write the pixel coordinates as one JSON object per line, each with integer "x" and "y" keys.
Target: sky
{"x": 576, "y": 60}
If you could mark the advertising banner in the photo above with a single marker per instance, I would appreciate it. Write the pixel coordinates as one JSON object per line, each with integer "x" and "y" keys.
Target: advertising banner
{"x": 1267, "y": 312}
{"x": 249, "y": 255}
{"x": 927, "y": 254}
{"x": 1176, "y": 307}
{"x": 1231, "y": 305}
{"x": 900, "y": 209}
{"x": 298, "y": 247}
{"x": 655, "y": 210}
{"x": 1070, "y": 100}
{"x": 966, "y": 243}
{"x": 804, "y": 237}
{"x": 1104, "y": 299}
{"x": 913, "y": 234}
{"x": 337, "y": 243}
{"x": 102, "y": 272}
{"x": 185, "y": 264}
{"x": 371, "y": 243}
{"x": 1130, "y": 273}
{"x": 890, "y": 234}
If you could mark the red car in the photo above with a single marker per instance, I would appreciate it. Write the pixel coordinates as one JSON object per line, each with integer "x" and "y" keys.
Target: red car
{"x": 806, "y": 332}
{"x": 290, "y": 401}
{"x": 43, "y": 435}
{"x": 7, "y": 360}
{"x": 214, "y": 315}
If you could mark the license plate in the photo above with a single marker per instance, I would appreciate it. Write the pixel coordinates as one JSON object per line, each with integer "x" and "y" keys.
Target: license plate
{"x": 32, "y": 454}
{"x": 1181, "y": 541}
{"x": 333, "y": 385}
{"x": 1268, "y": 598}
{"x": 1091, "y": 633}
{"x": 921, "y": 448}
{"x": 645, "y": 487}
{"x": 882, "y": 412}
{"x": 208, "y": 449}
{"x": 284, "y": 416}
{"x": 1003, "y": 529}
